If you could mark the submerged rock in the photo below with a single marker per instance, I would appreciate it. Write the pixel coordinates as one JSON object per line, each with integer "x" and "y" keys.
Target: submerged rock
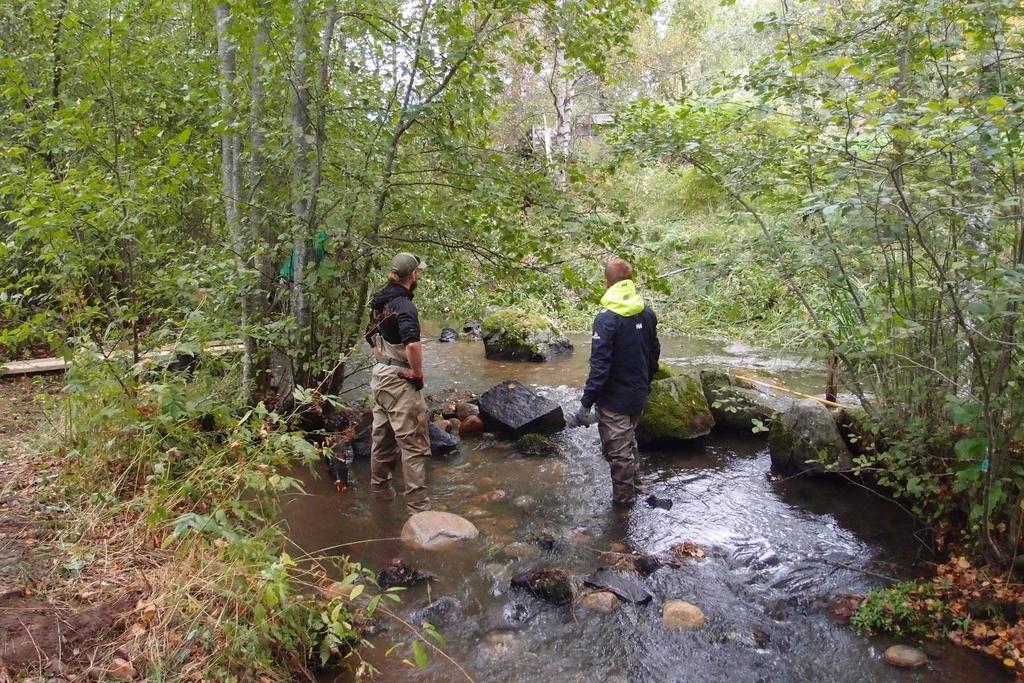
{"x": 441, "y": 442}
{"x": 510, "y": 334}
{"x": 521, "y": 551}
{"x": 448, "y": 335}
{"x": 499, "y": 643}
{"x": 601, "y": 601}
{"x": 677, "y": 411}
{"x": 680, "y": 615}
{"x": 537, "y": 445}
{"x": 805, "y": 438}
{"x": 433, "y": 529}
{"x": 905, "y": 657}
{"x": 551, "y": 585}
{"x": 627, "y": 587}
{"x": 735, "y": 405}
{"x": 516, "y": 409}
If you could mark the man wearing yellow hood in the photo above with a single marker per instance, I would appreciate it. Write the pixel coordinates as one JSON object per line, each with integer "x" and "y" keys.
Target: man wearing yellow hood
{"x": 624, "y": 351}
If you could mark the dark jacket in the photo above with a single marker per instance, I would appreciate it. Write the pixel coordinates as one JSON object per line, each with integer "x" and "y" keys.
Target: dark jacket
{"x": 624, "y": 354}
{"x": 393, "y": 311}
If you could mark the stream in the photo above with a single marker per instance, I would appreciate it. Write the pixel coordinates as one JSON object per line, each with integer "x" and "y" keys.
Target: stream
{"x": 778, "y": 550}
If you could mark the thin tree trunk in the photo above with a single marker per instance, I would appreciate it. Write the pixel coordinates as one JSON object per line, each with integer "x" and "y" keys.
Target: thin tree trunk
{"x": 259, "y": 228}
{"x": 302, "y": 134}
{"x": 231, "y": 177}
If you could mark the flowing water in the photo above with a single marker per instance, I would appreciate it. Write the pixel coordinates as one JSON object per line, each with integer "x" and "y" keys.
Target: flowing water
{"x": 778, "y": 550}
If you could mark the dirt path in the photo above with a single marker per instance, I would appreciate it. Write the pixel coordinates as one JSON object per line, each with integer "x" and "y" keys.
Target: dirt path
{"x": 50, "y": 630}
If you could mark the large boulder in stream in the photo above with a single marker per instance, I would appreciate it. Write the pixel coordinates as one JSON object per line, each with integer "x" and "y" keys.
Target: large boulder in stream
{"x": 515, "y": 409}
{"x": 736, "y": 405}
{"x": 434, "y": 529}
{"x": 510, "y": 334}
{"x": 677, "y": 411}
{"x": 805, "y": 439}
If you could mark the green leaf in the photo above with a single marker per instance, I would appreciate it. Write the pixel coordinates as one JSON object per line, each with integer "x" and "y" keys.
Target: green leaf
{"x": 419, "y": 654}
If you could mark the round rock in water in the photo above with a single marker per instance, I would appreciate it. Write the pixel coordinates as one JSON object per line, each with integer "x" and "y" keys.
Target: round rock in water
{"x": 680, "y": 615}
{"x": 601, "y": 601}
{"x": 905, "y": 657}
{"x": 433, "y": 529}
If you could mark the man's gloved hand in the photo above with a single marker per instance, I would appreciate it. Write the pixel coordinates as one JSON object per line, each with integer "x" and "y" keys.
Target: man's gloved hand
{"x": 585, "y": 416}
{"x": 415, "y": 380}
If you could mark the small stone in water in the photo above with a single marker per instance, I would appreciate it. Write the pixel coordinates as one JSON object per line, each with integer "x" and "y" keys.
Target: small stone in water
{"x": 524, "y": 502}
{"x": 498, "y": 644}
{"x": 905, "y": 657}
{"x": 681, "y": 615}
{"x": 601, "y": 601}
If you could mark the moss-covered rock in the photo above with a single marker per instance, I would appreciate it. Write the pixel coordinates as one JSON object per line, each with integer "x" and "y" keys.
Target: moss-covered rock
{"x": 677, "y": 411}
{"x": 806, "y": 439}
{"x": 665, "y": 372}
{"x": 511, "y": 334}
{"x": 537, "y": 445}
{"x": 735, "y": 406}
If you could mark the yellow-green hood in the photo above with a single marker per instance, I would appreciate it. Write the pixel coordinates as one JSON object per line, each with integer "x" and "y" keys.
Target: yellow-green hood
{"x": 622, "y": 298}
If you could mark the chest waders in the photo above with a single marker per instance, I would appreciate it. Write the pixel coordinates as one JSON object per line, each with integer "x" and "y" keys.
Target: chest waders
{"x": 400, "y": 427}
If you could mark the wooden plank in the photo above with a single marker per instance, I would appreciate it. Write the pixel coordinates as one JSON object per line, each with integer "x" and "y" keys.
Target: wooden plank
{"x": 39, "y": 366}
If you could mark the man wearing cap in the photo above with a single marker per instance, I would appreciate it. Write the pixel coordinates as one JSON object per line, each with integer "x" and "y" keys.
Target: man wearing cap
{"x": 624, "y": 351}
{"x": 399, "y": 411}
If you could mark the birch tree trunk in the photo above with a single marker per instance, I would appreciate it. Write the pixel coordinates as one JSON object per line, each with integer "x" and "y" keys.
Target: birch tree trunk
{"x": 231, "y": 179}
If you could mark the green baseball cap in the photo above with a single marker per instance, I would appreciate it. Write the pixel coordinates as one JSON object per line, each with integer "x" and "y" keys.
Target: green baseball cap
{"x": 404, "y": 263}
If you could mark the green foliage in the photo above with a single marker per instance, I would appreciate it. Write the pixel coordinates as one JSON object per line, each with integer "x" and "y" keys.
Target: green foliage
{"x": 891, "y": 611}
{"x": 176, "y": 461}
{"x": 875, "y": 152}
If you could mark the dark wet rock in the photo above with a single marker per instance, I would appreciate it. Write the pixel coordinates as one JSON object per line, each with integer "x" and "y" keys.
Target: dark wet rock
{"x": 515, "y": 335}
{"x": 549, "y": 543}
{"x": 655, "y": 502}
{"x": 761, "y": 637}
{"x": 843, "y": 607}
{"x": 905, "y": 657}
{"x": 601, "y": 601}
{"x": 434, "y": 529}
{"x": 448, "y": 335}
{"x": 680, "y": 615}
{"x": 471, "y": 426}
{"x": 441, "y": 442}
{"x": 499, "y": 643}
{"x": 647, "y": 564}
{"x": 735, "y": 405}
{"x": 677, "y": 411}
{"x": 806, "y": 439}
{"x": 537, "y": 445}
{"x": 439, "y": 613}
{"x": 550, "y": 585}
{"x": 396, "y": 573}
{"x": 515, "y": 409}
{"x": 627, "y": 587}
{"x": 362, "y": 437}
